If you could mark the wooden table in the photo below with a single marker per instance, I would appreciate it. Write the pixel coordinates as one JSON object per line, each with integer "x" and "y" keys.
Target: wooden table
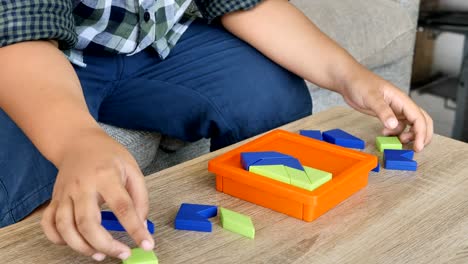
{"x": 400, "y": 217}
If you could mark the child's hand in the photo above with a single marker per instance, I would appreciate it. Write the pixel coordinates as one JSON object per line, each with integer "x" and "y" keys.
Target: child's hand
{"x": 374, "y": 96}
{"x": 95, "y": 170}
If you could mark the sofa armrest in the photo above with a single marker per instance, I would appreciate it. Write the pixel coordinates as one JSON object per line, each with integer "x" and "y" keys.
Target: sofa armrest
{"x": 412, "y": 6}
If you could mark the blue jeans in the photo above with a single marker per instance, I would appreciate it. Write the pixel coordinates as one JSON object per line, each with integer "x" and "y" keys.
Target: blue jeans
{"x": 212, "y": 85}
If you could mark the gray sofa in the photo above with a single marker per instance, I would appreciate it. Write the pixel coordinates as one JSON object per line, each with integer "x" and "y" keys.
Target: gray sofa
{"x": 378, "y": 33}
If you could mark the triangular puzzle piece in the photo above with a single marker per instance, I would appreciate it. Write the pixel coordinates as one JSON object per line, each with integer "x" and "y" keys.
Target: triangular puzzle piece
{"x": 317, "y": 177}
{"x": 249, "y": 158}
{"x": 269, "y": 158}
{"x": 275, "y": 172}
{"x": 286, "y": 161}
{"x": 343, "y": 138}
{"x": 110, "y": 222}
{"x": 194, "y": 217}
{"x": 315, "y": 134}
{"x": 299, "y": 178}
{"x": 399, "y": 160}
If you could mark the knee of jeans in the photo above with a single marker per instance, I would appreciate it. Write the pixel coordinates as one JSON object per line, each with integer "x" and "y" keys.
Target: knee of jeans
{"x": 257, "y": 114}
{"x": 24, "y": 173}
{"x": 5, "y": 215}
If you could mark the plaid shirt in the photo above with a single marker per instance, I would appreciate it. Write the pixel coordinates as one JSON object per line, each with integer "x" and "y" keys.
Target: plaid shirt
{"x": 118, "y": 26}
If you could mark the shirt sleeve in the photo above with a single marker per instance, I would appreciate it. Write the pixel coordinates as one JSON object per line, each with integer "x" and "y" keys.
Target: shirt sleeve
{"x": 24, "y": 20}
{"x": 211, "y": 9}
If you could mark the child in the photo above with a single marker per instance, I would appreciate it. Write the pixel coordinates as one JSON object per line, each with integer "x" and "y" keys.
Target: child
{"x": 149, "y": 67}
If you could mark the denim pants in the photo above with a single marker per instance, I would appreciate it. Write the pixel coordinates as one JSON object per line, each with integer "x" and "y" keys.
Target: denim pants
{"x": 212, "y": 85}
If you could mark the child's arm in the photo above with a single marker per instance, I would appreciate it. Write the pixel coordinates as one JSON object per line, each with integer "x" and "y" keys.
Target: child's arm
{"x": 40, "y": 91}
{"x": 281, "y": 32}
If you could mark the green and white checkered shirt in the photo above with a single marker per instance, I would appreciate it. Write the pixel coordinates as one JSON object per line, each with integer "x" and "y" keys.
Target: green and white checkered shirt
{"x": 118, "y": 26}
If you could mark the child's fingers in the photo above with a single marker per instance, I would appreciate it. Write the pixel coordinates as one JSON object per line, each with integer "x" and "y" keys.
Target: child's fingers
{"x": 396, "y": 131}
{"x": 430, "y": 127}
{"x": 65, "y": 221}
{"x": 137, "y": 190}
{"x": 417, "y": 120}
{"x": 407, "y": 137}
{"x": 48, "y": 224}
{"x": 120, "y": 202}
{"x": 384, "y": 112}
{"x": 88, "y": 222}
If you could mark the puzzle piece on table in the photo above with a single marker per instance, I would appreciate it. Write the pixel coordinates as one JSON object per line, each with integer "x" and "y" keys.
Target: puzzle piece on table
{"x": 343, "y": 138}
{"x": 317, "y": 177}
{"x": 110, "y": 222}
{"x": 384, "y": 143}
{"x": 237, "y": 223}
{"x": 377, "y": 169}
{"x": 269, "y": 158}
{"x": 194, "y": 217}
{"x": 399, "y": 160}
{"x": 140, "y": 256}
{"x": 315, "y": 134}
{"x": 275, "y": 172}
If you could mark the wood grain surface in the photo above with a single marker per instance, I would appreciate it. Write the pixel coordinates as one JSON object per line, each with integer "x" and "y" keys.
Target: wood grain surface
{"x": 400, "y": 217}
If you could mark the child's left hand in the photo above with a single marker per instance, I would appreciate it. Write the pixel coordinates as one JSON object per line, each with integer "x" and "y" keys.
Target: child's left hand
{"x": 372, "y": 95}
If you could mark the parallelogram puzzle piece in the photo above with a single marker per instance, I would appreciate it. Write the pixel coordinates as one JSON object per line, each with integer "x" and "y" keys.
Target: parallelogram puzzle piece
{"x": 269, "y": 158}
{"x": 110, "y": 222}
{"x": 317, "y": 177}
{"x": 299, "y": 178}
{"x": 275, "y": 172}
{"x": 384, "y": 143}
{"x": 344, "y": 139}
{"x": 194, "y": 217}
{"x": 237, "y": 223}
{"x": 140, "y": 256}
{"x": 399, "y": 160}
{"x": 315, "y": 134}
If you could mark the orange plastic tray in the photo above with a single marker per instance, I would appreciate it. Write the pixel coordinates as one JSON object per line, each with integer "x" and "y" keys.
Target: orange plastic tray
{"x": 350, "y": 171}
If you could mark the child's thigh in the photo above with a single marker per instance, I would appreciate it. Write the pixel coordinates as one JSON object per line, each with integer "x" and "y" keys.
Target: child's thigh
{"x": 212, "y": 85}
{"x": 26, "y": 178}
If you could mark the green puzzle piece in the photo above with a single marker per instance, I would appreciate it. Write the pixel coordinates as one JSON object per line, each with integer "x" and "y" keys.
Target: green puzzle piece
{"x": 388, "y": 143}
{"x": 237, "y": 223}
{"x": 299, "y": 178}
{"x": 317, "y": 177}
{"x": 140, "y": 256}
{"x": 275, "y": 172}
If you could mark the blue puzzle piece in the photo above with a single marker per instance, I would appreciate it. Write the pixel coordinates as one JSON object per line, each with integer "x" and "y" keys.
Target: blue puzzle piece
{"x": 286, "y": 161}
{"x": 194, "y": 217}
{"x": 269, "y": 158}
{"x": 315, "y": 134}
{"x": 377, "y": 169}
{"x": 344, "y": 139}
{"x": 249, "y": 158}
{"x": 110, "y": 222}
{"x": 395, "y": 159}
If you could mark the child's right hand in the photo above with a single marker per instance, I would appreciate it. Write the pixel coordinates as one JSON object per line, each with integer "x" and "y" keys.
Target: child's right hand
{"x": 97, "y": 169}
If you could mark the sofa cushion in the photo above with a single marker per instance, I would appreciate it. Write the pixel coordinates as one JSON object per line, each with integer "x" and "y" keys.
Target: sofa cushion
{"x": 141, "y": 144}
{"x": 375, "y": 32}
